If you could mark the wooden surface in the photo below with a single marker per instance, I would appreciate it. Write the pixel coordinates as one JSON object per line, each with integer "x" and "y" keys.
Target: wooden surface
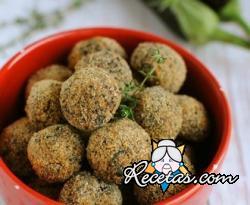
{"x": 231, "y": 65}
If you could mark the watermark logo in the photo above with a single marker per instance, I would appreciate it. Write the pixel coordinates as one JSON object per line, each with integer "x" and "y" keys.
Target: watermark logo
{"x": 167, "y": 167}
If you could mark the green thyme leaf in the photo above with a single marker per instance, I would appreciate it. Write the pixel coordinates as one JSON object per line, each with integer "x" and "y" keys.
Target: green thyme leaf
{"x": 125, "y": 111}
{"x": 157, "y": 56}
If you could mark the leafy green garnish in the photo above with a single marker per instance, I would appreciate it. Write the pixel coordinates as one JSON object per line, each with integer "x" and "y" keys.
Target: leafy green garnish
{"x": 124, "y": 111}
{"x": 157, "y": 56}
{"x": 129, "y": 101}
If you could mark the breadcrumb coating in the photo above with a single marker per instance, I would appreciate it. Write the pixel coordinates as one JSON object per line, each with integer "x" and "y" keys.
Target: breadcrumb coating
{"x": 170, "y": 69}
{"x": 43, "y": 106}
{"x": 92, "y": 45}
{"x": 85, "y": 189}
{"x": 89, "y": 98}
{"x": 116, "y": 146}
{"x": 13, "y": 146}
{"x": 195, "y": 126}
{"x": 111, "y": 62}
{"x": 56, "y": 153}
{"x": 52, "y": 72}
{"x": 158, "y": 112}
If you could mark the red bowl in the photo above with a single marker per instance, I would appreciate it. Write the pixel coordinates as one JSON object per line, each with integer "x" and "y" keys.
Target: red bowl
{"x": 200, "y": 83}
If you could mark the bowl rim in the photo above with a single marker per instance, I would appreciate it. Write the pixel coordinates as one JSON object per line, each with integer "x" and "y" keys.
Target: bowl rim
{"x": 225, "y": 137}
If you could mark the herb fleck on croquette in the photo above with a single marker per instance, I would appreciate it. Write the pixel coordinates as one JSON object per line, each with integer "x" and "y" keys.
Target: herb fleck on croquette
{"x": 111, "y": 62}
{"x": 89, "y": 98}
{"x": 169, "y": 67}
{"x": 115, "y": 146}
{"x": 195, "y": 124}
{"x": 52, "y": 72}
{"x": 56, "y": 153}
{"x": 92, "y": 45}
{"x": 158, "y": 112}
{"x": 13, "y": 146}
{"x": 43, "y": 106}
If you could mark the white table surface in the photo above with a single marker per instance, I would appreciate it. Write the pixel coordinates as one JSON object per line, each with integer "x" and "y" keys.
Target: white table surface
{"x": 230, "y": 65}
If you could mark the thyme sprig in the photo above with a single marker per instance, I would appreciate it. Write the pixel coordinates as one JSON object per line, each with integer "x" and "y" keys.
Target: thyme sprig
{"x": 129, "y": 101}
{"x": 36, "y": 21}
{"x": 157, "y": 56}
{"x": 124, "y": 111}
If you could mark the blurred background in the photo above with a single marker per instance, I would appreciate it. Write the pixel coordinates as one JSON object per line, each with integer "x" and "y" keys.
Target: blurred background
{"x": 25, "y": 21}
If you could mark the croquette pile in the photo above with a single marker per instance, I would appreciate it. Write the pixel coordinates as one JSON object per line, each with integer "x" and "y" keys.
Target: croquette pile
{"x": 88, "y": 120}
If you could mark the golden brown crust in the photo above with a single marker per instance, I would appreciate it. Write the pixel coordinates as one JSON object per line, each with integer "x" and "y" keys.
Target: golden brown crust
{"x": 56, "y": 153}
{"x": 52, "y": 72}
{"x": 158, "y": 112}
{"x": 89, "y": 98}
{"x": 111, "y": 62}
{"x": 43, "y": 106}
{"x": 170, "y": 74}
{"x": 116, "y": 146}
{"x": 195, "y": 124}
{"x": 13, "y": 146}
{"x": 85, "y": 189}
{"x": 92, "y": 45}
